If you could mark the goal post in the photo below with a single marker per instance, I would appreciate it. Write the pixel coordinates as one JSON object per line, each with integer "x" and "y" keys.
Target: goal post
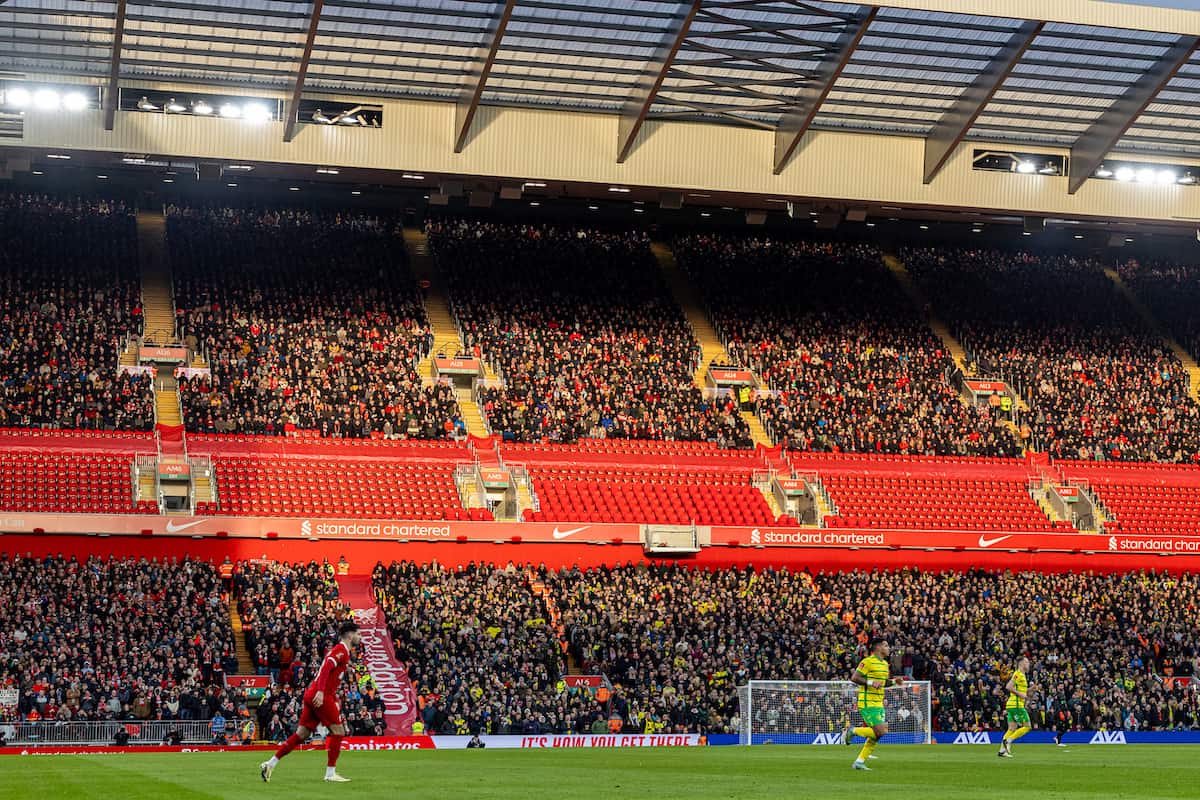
{"x": 816, "y": 712}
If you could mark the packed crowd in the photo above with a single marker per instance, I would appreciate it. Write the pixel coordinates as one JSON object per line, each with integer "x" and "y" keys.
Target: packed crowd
{"x": 486, "y": 646}
{"x": 70, "y": 297}
{"x": 290, "y": 615}
{"x": 679, "y": 640}
{"x": 1098, "y": 383}
{"x": 118, "y": 639}
{"x": 582, "y": 328}
{"x": 851, "y": 365}
{"x": 483, "y": 651}
{"x": 308, "y": 321}
{"x": 1172, "y": 290}
{"x": 676, "y": 642}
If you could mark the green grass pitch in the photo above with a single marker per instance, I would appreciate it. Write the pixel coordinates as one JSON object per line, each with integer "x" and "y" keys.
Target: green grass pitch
{"x": 760, "y": 773}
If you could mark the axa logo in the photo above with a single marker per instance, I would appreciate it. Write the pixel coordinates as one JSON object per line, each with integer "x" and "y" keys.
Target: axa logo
{"x": 1108, "y": 737}
{"x": 306, "y": 527}
{"x": 972, "y": 737}
{"x": 828, "y": 738}
{"x": 755, "y": 537}
{"x": 1112, "y": 543}
{"x": 557, "y": 534}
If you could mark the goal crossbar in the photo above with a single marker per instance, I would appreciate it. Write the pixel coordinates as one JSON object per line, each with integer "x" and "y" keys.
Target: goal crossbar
{"x": 817, "y": 712}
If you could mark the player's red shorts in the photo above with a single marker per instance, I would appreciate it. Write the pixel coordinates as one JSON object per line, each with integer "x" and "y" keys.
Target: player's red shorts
{"x": 328, "y": 714}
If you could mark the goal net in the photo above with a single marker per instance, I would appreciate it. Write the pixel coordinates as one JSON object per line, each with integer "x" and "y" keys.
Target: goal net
{"x": 816, "y": 712}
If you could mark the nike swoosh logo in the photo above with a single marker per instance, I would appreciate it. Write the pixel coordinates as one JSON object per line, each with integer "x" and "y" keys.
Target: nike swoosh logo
{"x": 989, "y": 542}
{"x": 564, "y": 534}
{"x": 173, "y": 528}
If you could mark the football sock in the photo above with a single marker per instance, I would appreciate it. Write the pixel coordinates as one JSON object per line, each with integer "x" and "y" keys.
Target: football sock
{"x": 291, "y": 744}
{"x": 1017, "y": 734}
{"x": 868, "y": 748}
{"x": 334, "y": 747}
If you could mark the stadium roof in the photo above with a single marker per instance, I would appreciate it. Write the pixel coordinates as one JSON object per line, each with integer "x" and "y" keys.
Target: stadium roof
{"x": 1113, "y": 76}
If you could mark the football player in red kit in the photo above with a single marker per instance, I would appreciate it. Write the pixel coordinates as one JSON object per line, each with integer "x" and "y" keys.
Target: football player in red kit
{"x": 321, "y": 706}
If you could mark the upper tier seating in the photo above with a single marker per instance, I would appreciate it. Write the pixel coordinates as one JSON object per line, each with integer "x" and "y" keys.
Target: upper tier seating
{"x": 853, "y": 366}
{"x": 69, "y": 483}
{"x": 308, "y": 321}
{"x": 1172, "y": 290}
{"x": 68, "y": 272}
{"x": 1099, "y": 384}
{"x": 582, "y": 328}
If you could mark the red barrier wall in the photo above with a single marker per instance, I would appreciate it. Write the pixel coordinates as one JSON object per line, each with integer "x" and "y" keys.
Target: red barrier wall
{"x": 363, "y": 555}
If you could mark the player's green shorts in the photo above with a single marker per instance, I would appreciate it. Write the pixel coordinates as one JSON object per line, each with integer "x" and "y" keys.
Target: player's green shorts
{"x": 1018, "y": 715}
{"x": 873, "y": 715}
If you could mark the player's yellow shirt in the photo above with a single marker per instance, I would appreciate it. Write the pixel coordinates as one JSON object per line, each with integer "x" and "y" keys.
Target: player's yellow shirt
{"x": 873, "y": 669}
{"x": 1022, "y": 685}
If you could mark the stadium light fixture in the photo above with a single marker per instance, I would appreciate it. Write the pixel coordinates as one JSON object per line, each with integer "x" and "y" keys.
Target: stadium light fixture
{"x": 705, "y": 214}
{"x": 1188, "y": 179}
{"x": 318, "y": 116}
{"x": 534, "y": 185}
{"x": 74, "y": 101}
{"x": 924, "y": 227}
{"x": 1049, "y": 169}
{"x": 240, "y": 167}
{"x": 173, "y": 106}
{"x": 59, "y": 156}
{"x": 231, "y": 111}
{"x": 38, "y": 172}
{"x": 18, "y": 97}
{"x": 593, "y": 208}
{"x": 46, "y": 100}
{"x": 412, "y": 176}
{"x": 145, "y": 105}
{"x": 168, "y": 180}
{"x": 1079, "y": 236}
{"x": 356, "y": 192}
{"x": 639, "y": 210}
{"x": 1125, "y": 174}
{"x": 1146, "y": 175}
{"x": 102, "y": 177}
{"x": 231, "y": 185}
{"x": 328, "y": 171}
{"x": 1026, "y": 167}
{"x": 619, "y": 189}
{"x": 202, "y": 108}
{"x": 255, "y": 113}
{"x": 293, "y": 188}
{"x": 1166, "y": 177}
{"x": 1104, "y": 172}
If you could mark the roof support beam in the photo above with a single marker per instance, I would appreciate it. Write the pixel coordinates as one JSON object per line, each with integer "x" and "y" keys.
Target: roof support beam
{"x": 961, "y": 115}
{"x": 114, "y": 68}
{"x": 637, "y": 105}
{"x": 472, "y": 91}
{"x": 798, "y": 119}
{"x": 293, "y": 104}
{"x": 1094, "y": 144}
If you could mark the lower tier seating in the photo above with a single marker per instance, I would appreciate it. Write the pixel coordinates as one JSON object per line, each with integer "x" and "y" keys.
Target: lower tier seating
{"x": 1152, "y": 499}
{"x": 69, "y": 483}
{"x": 935, "y": 503}
{"x": 668, "y": 497}
{"x": 333, "y": 488}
